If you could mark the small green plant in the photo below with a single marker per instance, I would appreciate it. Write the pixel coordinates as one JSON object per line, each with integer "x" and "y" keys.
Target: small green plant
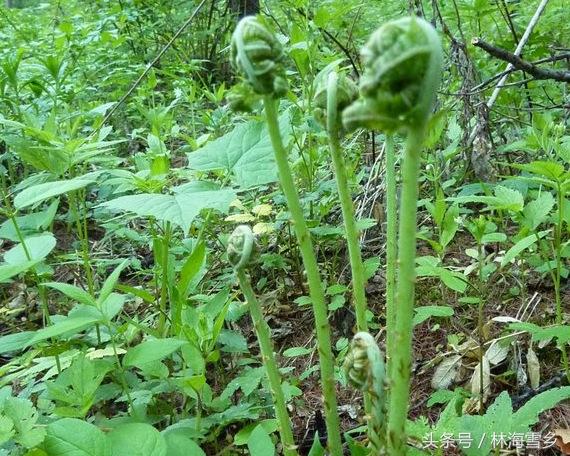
{"x": 241, "y": 245}
{"x": 365, "y": 370}
{"x": 334, "y": 93}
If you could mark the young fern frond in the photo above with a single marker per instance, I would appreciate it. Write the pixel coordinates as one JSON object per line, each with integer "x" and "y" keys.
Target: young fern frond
{"x": 335, "y": 92}
{"x": 365, "y": 370}
{"x": 402, "y": 71}
{"x": 257, "y": 54}
{"x": 403, "y": 61}
{"x": 240, "y": 250}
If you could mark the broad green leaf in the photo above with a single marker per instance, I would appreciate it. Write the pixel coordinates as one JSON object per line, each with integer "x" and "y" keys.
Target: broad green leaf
{"x": 72, "y": 292}
{"x": 42, "y": 192}
{"x": 137, "y": 439}
{"x": 246, "y": 152}
{"x": 260, "y": 443}
{"x": 179, "y": 444}
{"x": 521, "y": 245}
{"x": 8, "y": 271}
{"x": 38, "y": 248}
{"x": 150, "y": 351}
{"x": 74, "y": 437}
{"x": 29, "y": 223}
{"x": 491, "y": 238}
{"x": 425, "y": 312}
{"x": 15, "y": 341}
{"x": 537, "y": 211}
{"x": 241, "y": 438}
{"x": 69, "y": 325}
{"x": 180, "y": 209}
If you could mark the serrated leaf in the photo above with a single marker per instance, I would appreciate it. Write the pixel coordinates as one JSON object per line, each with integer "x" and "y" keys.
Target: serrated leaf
{"x": 446, "y": 371}
{"x": 497, "y": 419}
{"x": 24, "y": 418}
{"x": 150, "y": 351}
{"x": 74, "y": 437}
{"x": 246, "y": 152}
{"x": 6, "y": 429}
{"x": 137, "y": 439}
{"x": 548, "y": 169}
{"x": 509, "y": 199}
{"x": 536, "y": 212}
{"x": 528, "y": 414}
{"x": 41, "y": 192}
{"x": 371, "y": 265}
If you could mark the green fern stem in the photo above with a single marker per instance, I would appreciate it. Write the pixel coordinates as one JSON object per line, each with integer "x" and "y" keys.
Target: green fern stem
{"x": 317, "y": 295}
{"x": 271, "y": 369}
{"x": 355, "y": 256}
{"x": 391, "y": 243}
{"x": 401, "y": 356}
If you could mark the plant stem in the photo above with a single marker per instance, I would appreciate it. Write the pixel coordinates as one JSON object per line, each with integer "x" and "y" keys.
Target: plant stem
{"x": 315, "y": 286}
{"x": 164, "y": 282}
{"x": 355, "y": 256}
{"x": 271, "y": 369}
{"x": 391, "y": 246}
{"x": 558, "y": 248}
{"x": 402, "y": 341}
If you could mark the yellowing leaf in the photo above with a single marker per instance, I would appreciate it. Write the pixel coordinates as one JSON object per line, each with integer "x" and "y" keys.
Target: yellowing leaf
{"x": 533, "y": 368}
{"x": 104, "y": 352}
{"x": 240, "y": 218}
{"x": 237, "y": 203}
{"x": 263, "y": 228}
{"x": 476, "y": 386}
{"x": 262, "y": 210}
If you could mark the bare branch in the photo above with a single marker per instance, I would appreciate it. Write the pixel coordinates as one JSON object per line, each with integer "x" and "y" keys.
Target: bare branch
{"x": 520, "y": 64}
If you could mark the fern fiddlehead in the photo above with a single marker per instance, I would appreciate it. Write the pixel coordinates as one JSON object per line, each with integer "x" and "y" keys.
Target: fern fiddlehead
{"x": 403, "y": 66}
{"x": 241, "y": 246}
{"x": 402, "y": 71}
{"x": 258, "y": 56}
{"x": 365, "y": 370}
